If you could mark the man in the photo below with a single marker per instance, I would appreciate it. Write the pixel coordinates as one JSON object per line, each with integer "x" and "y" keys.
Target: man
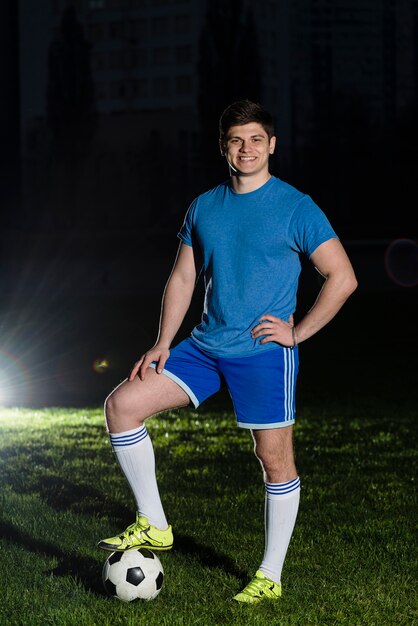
{"x": 250, "y": 231}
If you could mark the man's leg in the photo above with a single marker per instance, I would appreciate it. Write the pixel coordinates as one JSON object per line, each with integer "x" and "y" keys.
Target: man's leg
{"x": 126, "y": 409}
{"x": 274, "y": 449}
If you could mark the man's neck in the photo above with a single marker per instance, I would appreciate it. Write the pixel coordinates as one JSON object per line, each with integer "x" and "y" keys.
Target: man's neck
{"x": 245, "y": 184}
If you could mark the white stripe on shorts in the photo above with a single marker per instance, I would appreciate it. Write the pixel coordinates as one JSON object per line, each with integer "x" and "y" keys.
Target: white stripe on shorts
{"x": 289, "y": 384}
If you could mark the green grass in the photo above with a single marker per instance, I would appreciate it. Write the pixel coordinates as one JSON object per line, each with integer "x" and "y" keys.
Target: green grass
{"x": 351, "y": 562}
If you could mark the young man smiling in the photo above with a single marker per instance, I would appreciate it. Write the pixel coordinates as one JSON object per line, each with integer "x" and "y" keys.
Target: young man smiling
{"x": 251, "y": 231}
{"x": 247, "y": 149}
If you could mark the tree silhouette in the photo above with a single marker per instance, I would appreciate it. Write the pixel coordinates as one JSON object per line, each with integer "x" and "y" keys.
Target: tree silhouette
{"x": 71, "y": 110}
{"x": 71, "y": 117}
{"x": 228, "y": 70}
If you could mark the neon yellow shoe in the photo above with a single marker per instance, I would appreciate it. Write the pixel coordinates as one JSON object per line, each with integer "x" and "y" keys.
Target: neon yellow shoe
{"x": 140, "y": 534}
{"x": 259, "y": 588}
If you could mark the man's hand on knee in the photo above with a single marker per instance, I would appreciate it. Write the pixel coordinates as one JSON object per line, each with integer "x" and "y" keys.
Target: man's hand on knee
{"x": 157, "y": 354}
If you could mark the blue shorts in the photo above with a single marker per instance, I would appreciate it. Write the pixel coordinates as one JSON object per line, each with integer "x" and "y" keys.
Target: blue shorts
{"x": 262, "y": 386}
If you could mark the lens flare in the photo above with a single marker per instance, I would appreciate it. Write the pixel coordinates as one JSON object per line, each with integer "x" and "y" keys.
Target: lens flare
{"x": 401, "y": 262}
{"x": 100, "y": 366}
{"x": 15, "y": 383}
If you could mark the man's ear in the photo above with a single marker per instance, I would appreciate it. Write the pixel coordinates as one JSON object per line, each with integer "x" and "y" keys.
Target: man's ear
{"x": 272, "y": 145}
{"x": 222, "y": 147}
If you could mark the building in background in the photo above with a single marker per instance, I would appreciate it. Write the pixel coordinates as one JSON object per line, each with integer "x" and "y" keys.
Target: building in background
{"x": 9, "y": 112}
{"x": 339, "y": 76}
{"x": 144, "y": 60}
{"x": 354, "y": 90}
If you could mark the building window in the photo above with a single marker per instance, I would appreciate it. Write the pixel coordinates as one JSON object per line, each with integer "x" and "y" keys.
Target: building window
{"x": 98, "y": 61}
{"x": 183, "y": 84}
{"x": 137, "y": 57}
{"x": 118, "y": 89}
{"x": 271, "y": 10}
{"x": 161, "y": 86}
{"x": 140, "y": 88}
{"x": 162, "y": 55}
{"x": 116, "y": 59}
{"x": 100, "y": 90}
{"x": 95, "y": 5}
{"x": 97, "y": 32}
{"x": 55, "y": 7}
{"x": 183, "y": 54}
{"x": 118, "y": 4}
{"x": 182, "y": 23}
{"x": 117, "y": 30}
{"x": 138, "y": 28}
{"x": 161, "y": 26}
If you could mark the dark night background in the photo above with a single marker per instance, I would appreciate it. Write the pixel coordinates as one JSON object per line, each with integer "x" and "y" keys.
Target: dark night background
{"x": 108, "y": 129}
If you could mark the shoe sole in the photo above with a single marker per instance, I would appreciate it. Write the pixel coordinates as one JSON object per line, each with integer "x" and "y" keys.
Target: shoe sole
{"x": 110, "y": 548}
{"x": 257, "y": 600}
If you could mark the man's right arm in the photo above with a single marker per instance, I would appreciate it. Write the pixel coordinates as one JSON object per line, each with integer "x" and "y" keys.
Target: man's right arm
{"x": 175, "y": 304}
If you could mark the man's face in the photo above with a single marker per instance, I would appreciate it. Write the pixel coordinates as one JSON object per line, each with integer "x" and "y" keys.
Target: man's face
{"x": 247, "y": 148}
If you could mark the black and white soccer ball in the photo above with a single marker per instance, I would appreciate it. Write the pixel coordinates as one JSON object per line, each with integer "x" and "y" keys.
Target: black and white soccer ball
{"x": 133, "y": 574}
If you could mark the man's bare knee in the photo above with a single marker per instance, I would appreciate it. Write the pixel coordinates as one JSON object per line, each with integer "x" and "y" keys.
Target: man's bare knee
{"x": 132, "y": 402}
{"x": 117, "y": 411}
{"x": 112, "y": 408}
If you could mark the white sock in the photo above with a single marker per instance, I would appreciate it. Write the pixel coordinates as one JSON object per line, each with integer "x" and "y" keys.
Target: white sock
{"x": 281, "y": 508}
{"x": 135, "y": 454}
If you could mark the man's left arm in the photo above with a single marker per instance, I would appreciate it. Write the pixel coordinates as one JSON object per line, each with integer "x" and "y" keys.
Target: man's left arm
{"x": 331, "y": 260}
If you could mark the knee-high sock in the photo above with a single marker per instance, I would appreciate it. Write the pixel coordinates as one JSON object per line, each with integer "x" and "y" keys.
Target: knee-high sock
{"x": 135, "y": 454}
{"x": 281, "y": 508}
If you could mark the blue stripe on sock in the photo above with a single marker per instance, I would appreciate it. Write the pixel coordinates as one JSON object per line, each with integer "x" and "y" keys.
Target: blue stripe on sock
{"x": 129, "y": 439}
{"x": 280, "y": 489}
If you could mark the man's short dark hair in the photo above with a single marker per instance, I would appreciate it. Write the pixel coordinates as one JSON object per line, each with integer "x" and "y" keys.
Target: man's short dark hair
{"x": 244, "y": 112}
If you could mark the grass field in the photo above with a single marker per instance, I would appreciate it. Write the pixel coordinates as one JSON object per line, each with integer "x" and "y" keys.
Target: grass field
{"x": 351, "y": 562}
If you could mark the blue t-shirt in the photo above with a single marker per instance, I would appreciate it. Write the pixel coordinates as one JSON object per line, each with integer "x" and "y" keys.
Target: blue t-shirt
{"x": 251, "y": 245}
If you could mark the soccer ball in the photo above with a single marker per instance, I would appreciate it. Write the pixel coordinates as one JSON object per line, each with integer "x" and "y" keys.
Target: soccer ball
{"x": 133, "y": 574}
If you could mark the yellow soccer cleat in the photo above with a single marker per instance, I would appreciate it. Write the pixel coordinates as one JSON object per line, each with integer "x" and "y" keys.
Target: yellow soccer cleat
{"x": 259, "y": 588}
{"x": 140, "y": 534}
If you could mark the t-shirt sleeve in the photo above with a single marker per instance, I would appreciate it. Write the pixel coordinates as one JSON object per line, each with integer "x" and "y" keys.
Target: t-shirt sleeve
{"x": 309, "y": 227}
{"x": 186, "y": 231}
